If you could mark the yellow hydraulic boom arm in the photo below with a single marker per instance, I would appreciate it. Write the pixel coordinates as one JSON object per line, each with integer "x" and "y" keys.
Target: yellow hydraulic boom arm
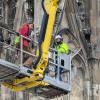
{"x": 50, "y": 9}
{"x": 46, "y": 34}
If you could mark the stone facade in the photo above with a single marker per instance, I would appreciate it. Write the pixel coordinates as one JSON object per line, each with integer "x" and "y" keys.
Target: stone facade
{"x": 85, "y": 79}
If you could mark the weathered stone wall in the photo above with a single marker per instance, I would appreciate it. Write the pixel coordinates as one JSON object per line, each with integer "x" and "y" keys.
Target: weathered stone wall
{"x": 81, "y": 87}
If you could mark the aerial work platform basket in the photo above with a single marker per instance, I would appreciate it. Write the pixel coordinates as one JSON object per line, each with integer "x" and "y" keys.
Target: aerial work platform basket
{"x": 57, "y": 76}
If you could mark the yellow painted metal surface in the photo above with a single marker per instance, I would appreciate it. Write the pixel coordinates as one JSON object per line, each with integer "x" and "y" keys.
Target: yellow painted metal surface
{"x": 24, "y": 86}
{"x": 51, "y": 10}
{"x": 32, "y": 81}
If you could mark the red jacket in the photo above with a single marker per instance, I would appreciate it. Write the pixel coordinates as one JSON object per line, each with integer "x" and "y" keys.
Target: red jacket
{"x": 24, "y": 30}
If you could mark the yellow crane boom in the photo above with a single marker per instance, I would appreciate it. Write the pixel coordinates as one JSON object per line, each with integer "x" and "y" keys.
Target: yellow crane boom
{"x": 50, "y": 9}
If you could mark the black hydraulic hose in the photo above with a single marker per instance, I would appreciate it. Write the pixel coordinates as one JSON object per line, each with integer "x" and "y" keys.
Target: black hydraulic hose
{"x": 42, "y": 33}
{"x": 42, "y": 3}
{"x": 43, "y": 28}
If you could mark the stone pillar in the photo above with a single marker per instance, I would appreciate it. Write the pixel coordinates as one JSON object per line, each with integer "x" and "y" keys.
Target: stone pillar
{"x": 5, "y": 18}
{"x": 95, "y": 40}
{"x": 91, "y": 91}
{"x": 64, "y": 23}
{"x": 37, "y": 13}
{"x": 18, "y": 16}
{"x": 87, "y": 91}
{"x": 5, "y": 93}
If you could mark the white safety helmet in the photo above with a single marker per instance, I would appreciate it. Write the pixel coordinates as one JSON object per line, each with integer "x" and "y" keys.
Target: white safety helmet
{"x": 58, "y": 37}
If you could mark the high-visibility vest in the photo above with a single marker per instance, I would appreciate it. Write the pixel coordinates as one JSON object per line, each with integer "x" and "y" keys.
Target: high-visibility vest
{"x": 17, "y": 39}
{"x": 62, "y": 48}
